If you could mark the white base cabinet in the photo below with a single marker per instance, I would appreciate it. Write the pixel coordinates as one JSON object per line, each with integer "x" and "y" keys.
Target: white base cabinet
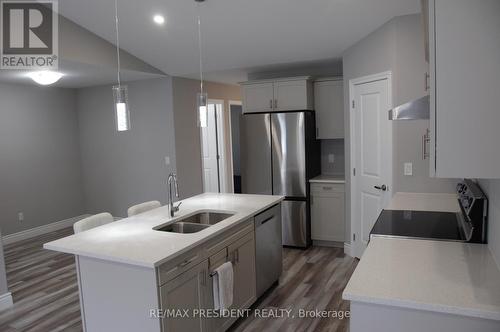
{"x": 327, "y": 212}
{"x": 188, "y": 291}
{"x": 193, "y": 289}
{"x": 242, "y": 255}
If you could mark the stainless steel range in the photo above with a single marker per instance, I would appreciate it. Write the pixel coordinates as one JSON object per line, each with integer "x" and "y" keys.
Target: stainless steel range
{"x": 469, "y": 225}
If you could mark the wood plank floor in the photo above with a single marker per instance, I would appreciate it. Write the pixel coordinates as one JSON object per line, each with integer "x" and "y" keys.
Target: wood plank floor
{"x": 45, "y": 292}
{"x": 312, "y": 279}
{"x": 43, "y": 285}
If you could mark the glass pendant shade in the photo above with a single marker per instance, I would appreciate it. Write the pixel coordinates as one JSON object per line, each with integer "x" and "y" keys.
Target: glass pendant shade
{"x": 202, "y": 103}
{"x": 122, "y": 113}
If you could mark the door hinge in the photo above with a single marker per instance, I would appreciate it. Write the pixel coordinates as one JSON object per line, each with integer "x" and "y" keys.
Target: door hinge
{"x": 354, "y": 172}
{"x": 354, "y": 237}
{"x": 353, "y": 104}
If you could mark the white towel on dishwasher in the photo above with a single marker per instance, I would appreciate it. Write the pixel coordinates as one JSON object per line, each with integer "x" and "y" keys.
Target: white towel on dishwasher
{"x": 223, "y": 286}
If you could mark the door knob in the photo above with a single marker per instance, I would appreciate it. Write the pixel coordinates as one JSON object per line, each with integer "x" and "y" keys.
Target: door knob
{"x": 382, "y": 187}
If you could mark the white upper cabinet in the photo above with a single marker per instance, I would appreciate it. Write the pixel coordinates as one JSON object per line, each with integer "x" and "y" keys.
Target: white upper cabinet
{"x": 329, "y": 108}
{"x": 258, "y": 97}
{"x": 464, "y": 42}
{"x": 291, "y": 94}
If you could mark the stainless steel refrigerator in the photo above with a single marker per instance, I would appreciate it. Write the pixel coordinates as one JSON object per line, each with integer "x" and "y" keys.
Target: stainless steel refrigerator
{"x": 279, "y": 154}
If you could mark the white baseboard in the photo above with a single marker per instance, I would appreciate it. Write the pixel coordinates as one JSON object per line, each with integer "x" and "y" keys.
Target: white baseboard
{"x": 6, "y": 301}
{"x": 29, "y": 233}
{"x": 347, "y": 249}
{"x": 331, "y": 244}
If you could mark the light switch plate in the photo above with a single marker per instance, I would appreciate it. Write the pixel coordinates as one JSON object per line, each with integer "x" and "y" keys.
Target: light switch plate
{"x": 331, "y": 158}
{"x": 167, "y": 160}
{"x": 408, "y": 169}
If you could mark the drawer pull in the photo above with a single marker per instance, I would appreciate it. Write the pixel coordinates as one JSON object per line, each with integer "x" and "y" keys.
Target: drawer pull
{"x": 327, "y": 188}
{"x": 266, "y": 220}
{"x": 187, "y": 261}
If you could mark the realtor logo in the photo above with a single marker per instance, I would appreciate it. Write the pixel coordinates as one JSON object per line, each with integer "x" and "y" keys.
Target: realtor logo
{"x": 29, "y": 34}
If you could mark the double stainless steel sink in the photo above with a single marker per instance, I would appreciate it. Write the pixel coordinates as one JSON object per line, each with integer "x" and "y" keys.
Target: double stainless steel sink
{"x": 195, "y": 223}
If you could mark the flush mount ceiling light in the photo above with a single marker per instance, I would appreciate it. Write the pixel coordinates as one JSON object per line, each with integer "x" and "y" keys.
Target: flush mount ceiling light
{"x": 120, "y": 92}
{"x": 159, "y": 19}
{"x": 45, "y": 77}
{"x": 201, "y": 97}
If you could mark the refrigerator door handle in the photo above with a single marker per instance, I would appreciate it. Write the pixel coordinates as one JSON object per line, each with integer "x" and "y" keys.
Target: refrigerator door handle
{"x": 289, "y": 154}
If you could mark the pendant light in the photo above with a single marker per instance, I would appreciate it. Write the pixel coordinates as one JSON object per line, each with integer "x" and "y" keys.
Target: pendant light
{"x": 120, "y": 92}
{"x": 201, "y": 97}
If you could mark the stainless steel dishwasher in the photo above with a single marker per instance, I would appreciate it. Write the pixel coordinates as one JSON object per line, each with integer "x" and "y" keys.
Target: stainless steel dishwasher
{"x": 268, "y": 248}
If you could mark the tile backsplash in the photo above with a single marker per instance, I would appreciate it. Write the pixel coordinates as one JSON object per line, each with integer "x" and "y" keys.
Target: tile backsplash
{"x": 333, "y": 147}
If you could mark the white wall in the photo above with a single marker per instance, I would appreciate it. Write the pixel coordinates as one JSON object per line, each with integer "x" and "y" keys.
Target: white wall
{"x": 397, "y": 46}
{"x": 335, "y": 147}
{"x": 125, "y": 168}
{"x": 492, "y": 190}
{"x": 40, "y": 171}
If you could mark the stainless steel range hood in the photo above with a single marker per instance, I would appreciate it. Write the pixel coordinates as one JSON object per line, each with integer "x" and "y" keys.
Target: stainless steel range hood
{"x": 417, "y": 109}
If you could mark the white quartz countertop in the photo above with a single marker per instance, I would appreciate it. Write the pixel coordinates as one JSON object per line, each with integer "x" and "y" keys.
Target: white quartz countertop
{"x": 324, "y": 178}
{"x": 440, "y": 276}
{"x": 424, "y": 202}
{"x": 133, "y": 241}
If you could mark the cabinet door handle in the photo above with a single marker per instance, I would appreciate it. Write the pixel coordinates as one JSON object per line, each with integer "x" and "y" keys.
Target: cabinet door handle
{"x": 425, "y": 140}
{"x": 427, "y": 81}
{"x": 270, "y": 103}
{"x": 276, "y": 104}
{"x": 423, "y": 147}
{"x": 317, "y": 132}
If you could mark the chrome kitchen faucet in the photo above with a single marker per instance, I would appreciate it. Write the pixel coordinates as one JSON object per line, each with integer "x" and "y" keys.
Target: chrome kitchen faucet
{"x": 172, "y": 179}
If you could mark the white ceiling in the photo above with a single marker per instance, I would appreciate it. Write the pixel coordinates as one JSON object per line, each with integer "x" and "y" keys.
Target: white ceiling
{"x": 77, "y": 75}
{"x": 238, "y": 35}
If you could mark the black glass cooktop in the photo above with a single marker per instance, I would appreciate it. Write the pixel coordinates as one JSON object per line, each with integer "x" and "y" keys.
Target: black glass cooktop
{"x": 418, "y": 224}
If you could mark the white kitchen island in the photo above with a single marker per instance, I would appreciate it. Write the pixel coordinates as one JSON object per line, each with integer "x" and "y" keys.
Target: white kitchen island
{"x": 129, "y": 271}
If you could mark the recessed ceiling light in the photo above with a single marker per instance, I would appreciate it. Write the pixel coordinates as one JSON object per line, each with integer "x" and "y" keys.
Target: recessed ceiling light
{"x": 45, "y": 77}
{"x": 159, "y": 19}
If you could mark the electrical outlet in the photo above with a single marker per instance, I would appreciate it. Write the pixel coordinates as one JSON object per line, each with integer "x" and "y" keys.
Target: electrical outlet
{"x": 167, "y": 160}
{"x": 408, "y": 169}
{"x": 20, "y": 216}
{"x": 331, "y": 158}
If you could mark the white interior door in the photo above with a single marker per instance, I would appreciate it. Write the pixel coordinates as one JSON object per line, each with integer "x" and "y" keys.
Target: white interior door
{"x": 372, "y": 156}
{"x": 210, "y": 154}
